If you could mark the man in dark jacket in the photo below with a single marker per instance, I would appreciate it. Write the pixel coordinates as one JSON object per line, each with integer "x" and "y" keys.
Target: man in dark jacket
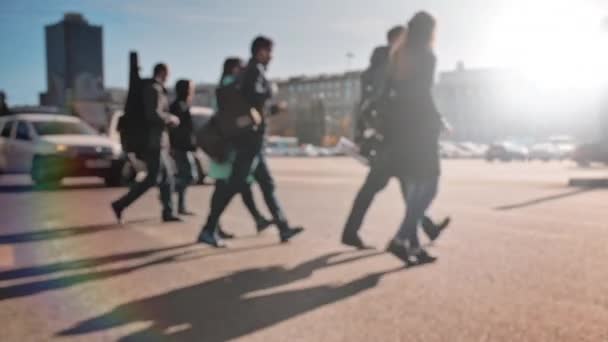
{"x": 182, "y": 143}
{"x": 257, "y": 91}
{"x": 157, "y": 159}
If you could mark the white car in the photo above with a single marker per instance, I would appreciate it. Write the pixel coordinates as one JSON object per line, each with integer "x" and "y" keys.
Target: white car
{"x": 51, "y": 147}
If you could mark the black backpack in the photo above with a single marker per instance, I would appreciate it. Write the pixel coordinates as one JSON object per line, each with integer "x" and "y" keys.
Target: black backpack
{"x": 133, "y": 125}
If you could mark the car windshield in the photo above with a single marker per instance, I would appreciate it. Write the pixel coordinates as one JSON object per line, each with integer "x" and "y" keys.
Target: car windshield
{"x": 62, "y": 128}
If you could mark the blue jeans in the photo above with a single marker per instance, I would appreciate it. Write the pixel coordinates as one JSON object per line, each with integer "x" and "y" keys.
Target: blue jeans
{"x": 418, "y": 194}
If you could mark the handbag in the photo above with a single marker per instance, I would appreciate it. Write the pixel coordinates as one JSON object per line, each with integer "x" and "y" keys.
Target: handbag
{"x": 235, "y": 115}
{"x": 210, "y": 139}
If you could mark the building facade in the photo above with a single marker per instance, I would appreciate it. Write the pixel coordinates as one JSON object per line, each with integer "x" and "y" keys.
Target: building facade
{"x": 321, "y": 108}
{"x": 74, "y": 59}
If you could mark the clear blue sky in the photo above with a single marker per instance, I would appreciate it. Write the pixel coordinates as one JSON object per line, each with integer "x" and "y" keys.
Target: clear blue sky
{"x": 312, "y": 36}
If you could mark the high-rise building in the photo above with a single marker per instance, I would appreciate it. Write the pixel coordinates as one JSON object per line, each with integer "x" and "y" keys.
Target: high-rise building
{"x": 74, "y": 60}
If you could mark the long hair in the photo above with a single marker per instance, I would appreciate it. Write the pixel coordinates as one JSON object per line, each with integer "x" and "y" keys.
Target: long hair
{"x": 182, "y": 89}
{"x": 229, "y": 65}
{"x": 419, "y": 36}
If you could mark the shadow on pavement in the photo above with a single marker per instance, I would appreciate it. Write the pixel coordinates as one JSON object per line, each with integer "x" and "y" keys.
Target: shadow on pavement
{"x": 40, "y": 286}
{"x": 545, "y": 199}
{"x": 60, "y": 233}
{"x": 22, "y": 188}
{"x": 57, "y": 267}
{"x": 225, "y": 308}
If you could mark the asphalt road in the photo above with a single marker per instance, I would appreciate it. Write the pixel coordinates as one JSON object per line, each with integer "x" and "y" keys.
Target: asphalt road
{"x": 525, "y": 260}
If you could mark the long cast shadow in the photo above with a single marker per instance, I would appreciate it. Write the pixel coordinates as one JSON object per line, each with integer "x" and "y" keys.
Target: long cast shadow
{"x": 62, "y": 266}
{"x": 541, "y": 200}
{"x": 60, "y": 233}
{"x": 24, "y": 188}
{"x": 40, "y": 286}
{"x": 224, "y": 308}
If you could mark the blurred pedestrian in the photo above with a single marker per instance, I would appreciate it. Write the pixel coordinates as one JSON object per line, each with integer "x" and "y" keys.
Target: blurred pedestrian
{"x": 412, "y": 131}
{"x": 156, "y": 157}
{"x": 3, "y": 106}
{"x": 256, "y": 91}
{"x": 369, "y": 136}
{"x": 232, "y": 69}
{"x": 183, "y": 143}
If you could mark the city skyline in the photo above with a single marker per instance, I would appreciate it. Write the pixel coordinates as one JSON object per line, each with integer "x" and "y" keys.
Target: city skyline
{"x": 193, "y": 37}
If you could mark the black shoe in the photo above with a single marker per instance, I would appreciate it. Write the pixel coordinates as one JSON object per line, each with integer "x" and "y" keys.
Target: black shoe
{"x": 210, "y": 239}
{"x": 262, "y": 224}
{"x": 288, "y": 233}
{"x": 185, "y": 212}
{"x": 171, "y": 218}
{"x": 117, "y": 212}
{"x": 423, "y": 257}
{"x": 224, "y": 234}
{"x": 353, "y": 240}
{"x": 432, "y": 230}
{"x": 399, "y": 250}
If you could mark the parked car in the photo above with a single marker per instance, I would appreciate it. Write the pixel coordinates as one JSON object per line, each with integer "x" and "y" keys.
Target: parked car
{"x": 564, "y": 144}
{"x": 586, "y": 154}
{"x": 506, "y": 151}
{"x": 477, "y": 150}
{"x": 276, "y": 146}
{"x": 135, "y": 168}
{"x": 51, "y": 147}
{"x": 449, "y": 149}
{"x": 545, "y": 151}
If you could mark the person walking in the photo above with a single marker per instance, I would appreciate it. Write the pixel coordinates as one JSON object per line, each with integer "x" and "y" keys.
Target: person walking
{"x": 157, "y": 158}
{"x": 231, "y": 71}
{"x": 256, "y": 90}
{"x": 183, "y": 143}
{"x": 370, "y": 137}
{"x": 412, "y": 129}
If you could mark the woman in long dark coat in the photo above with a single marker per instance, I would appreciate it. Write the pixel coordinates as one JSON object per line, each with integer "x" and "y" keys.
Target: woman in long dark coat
{"x": 410, "y": 125}
{"x": 412, "y": 130}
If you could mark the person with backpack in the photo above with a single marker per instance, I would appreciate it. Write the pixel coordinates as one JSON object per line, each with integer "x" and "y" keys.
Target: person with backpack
{"x": 183, "y": 143}
{"x": 255, "y": 90}
{"x": 155, "y": 153}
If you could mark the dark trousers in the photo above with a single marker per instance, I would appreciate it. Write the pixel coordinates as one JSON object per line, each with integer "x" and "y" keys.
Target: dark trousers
{"x": 418, "y": 195}
{"x": 159, "y": 173}
{"x": 237, "y": 183}
{"x": 186, "y": 174}
{"x": 246, "y": 195}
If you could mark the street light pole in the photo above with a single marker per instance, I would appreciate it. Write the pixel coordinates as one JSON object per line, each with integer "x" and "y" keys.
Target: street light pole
{"x": 349, "y": 59}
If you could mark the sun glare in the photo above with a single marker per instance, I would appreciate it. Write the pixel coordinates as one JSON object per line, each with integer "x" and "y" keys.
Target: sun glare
{"x": 556, "y": 44}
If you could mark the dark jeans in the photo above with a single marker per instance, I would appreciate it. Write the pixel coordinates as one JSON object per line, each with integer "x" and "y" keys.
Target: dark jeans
{"x": 418, "y": 196}
{"x": 159, "y": 172}
{"x": 186, "y": 174}
{"x": 237, "y": 183}
{"x": 246, "y": 195}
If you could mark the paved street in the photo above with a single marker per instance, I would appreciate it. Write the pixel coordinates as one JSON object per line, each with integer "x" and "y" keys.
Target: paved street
{"x": 525, "y": 260}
